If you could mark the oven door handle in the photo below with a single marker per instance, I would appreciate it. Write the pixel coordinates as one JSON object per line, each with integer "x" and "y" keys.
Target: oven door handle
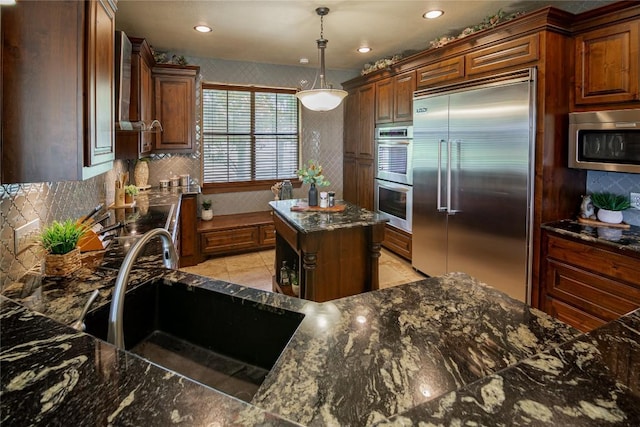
{"x": 392, "y": 188}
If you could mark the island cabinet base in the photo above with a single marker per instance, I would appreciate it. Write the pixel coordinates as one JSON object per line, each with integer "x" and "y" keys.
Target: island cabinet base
{"x": 331, "y": 264}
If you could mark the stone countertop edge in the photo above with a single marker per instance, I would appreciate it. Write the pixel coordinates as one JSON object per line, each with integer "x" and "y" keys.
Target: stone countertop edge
{"x": 418, "y": 329}
{"x": 308, "y": 222}
{"x": 624, "y": 240}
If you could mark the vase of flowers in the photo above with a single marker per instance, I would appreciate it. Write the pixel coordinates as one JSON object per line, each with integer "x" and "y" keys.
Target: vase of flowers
{"x": 312, "y": 174}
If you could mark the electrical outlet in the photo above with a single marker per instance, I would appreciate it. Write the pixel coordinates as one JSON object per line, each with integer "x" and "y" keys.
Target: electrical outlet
{"x": 635, "y": 200}
{"x": 25, "y": 235}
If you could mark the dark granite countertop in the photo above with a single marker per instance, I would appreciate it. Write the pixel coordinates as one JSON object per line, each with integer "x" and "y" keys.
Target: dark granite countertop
{"x": 353, "y": 361}
{"x": 308, "y": 222}
{"x": 621, "y": 239}
{"x": 441, "y": 350}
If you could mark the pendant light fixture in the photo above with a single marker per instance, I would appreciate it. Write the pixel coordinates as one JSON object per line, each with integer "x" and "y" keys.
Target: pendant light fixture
{"x": 324, "y": 98}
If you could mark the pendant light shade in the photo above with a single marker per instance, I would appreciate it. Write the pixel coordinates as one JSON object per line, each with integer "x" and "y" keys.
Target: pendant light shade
{"x": 322, "y": 99}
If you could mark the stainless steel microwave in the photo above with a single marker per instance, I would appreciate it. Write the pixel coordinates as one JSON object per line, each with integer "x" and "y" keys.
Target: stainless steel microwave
{"x": 605, "y": 140}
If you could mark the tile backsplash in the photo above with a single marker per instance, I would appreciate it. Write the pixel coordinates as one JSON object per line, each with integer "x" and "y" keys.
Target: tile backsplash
{"x": 617, "y": 183}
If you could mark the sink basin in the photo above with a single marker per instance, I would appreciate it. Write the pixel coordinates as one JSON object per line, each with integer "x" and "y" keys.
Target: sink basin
{"x": 220, "y": 341}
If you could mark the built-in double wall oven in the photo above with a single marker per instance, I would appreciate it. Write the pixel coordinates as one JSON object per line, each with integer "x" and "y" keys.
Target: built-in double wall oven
{"x": 393, "y": 189}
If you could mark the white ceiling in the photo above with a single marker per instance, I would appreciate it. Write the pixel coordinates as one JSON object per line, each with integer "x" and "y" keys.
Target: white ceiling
{"x": 283, "y": 31}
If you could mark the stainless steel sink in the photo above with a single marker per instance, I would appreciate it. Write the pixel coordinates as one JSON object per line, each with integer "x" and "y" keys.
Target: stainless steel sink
{"x": 224, "y": 342}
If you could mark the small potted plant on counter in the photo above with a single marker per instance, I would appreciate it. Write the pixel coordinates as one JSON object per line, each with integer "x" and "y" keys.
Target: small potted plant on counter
{"x": 130, "y": 193}
{"x": 60, "y": 240}
{"x": 207, "y": 212}
{"x": 610, "y": 206}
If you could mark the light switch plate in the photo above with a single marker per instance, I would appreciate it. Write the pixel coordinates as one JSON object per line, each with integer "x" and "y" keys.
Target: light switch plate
{"x": 635, "y": 200}
{"x": 25, "y": 235}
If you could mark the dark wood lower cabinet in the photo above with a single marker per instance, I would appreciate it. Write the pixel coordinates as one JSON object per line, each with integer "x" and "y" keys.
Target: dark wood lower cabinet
{"x": 188, "y": 233}
{"x": 227, "y": 234}
{"x": 586, "y": 285}
{"x": 397, "y": 241}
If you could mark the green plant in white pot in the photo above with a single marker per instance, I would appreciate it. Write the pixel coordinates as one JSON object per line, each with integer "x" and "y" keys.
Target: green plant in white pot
{"x": 610, "y": 206}
{"x": 207, "y": 212}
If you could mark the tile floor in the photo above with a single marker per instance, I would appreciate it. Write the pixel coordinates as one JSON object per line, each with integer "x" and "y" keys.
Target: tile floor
{"x": 255, "y": 269}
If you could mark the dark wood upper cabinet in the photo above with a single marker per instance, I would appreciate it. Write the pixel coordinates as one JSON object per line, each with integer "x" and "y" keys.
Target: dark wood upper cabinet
{"x": 608, "y": 64}
{"x": 57, "y": 90}
{"x": 394, "y": 98}
{"x": 403, "y": 87}
{"x": 175, "y": 107}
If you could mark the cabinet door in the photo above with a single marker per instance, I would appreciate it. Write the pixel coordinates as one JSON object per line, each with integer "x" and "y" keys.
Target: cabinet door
{"x": 367, "y": 121}
{"x": 189, "y": 250}
{"x": 351, "y": 123}
{"x": 350, "y": 181}
{"x": 384, "y": 101}
{"x": 100, "y": 80}
{"x": 444, "y": 71}
{"x": 57, "y": 91}
{"x": 403, "y": 87}
{"x": 607, "y": 64}
{"x": 365, "y": 183}
{"x": 175, "y": 108}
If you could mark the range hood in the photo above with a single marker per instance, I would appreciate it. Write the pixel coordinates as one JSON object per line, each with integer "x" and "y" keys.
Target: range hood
{"x": 123, "y": 89}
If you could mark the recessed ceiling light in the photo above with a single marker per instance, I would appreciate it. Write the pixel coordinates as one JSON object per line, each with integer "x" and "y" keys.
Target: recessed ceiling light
{"x": 202, "y": 28}
{"x": 432, "y": 14}
{"x": 364, "y": 49}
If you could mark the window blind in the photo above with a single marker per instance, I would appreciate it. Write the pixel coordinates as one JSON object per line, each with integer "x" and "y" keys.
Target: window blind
{"x": 249, "y": 134}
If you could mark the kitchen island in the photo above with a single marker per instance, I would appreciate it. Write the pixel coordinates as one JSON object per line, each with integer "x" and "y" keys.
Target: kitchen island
{"x": 334, "y": 252}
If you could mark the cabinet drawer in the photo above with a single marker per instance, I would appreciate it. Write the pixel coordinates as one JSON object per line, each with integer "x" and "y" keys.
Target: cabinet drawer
{"x": 229, "y": 240}
{"x": 397, "y": 241}
{"x": 572, "y": 315}
{"x": 443, "y": 71}
{"x": 267, "y": 234}
{"x": 597, "y": 260}
{"x": 604, "y": 298}
{"x": 503, "y": 55}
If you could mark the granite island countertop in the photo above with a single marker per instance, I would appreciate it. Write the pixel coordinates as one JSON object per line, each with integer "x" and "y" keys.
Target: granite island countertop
{"x": 308, "y": 222}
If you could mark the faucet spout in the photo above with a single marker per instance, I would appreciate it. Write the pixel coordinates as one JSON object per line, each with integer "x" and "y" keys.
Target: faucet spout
{"x": 115, "y": 333}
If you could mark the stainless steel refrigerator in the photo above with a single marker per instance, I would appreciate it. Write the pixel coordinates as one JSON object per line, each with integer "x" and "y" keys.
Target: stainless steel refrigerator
{"x": 473, "y": 180}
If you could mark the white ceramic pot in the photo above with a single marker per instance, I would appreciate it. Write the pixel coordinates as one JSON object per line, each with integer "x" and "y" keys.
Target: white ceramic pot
{"x": 612, "y": 217}
{"x": 207, "y": 214}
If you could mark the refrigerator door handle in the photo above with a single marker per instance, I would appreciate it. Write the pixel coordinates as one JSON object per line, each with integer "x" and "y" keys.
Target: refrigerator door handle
{"x": 439, "y": 192}
{"x": 451, "y": 211}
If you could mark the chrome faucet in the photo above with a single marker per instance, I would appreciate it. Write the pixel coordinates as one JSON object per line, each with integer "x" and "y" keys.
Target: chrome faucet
{"x": 115, "y": 334}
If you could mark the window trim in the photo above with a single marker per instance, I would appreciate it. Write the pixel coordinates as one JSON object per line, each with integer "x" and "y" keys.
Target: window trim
{"x": 232, "y": 187}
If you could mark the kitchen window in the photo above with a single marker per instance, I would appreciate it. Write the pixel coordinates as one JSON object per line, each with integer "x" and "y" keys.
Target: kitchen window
{"x": 250, "y": 137}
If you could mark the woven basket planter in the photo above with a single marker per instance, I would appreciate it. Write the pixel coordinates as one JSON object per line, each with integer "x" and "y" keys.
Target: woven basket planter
{"x": 62, "y": 265}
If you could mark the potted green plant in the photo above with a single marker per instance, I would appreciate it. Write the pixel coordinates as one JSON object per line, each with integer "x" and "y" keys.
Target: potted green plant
{"x": 312, "y": 174}
{"x": 130, "y": 192}
{"x": 207, "y": 212}
{"x": 610, "y": 206}
{"x": 60, "y": 240}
